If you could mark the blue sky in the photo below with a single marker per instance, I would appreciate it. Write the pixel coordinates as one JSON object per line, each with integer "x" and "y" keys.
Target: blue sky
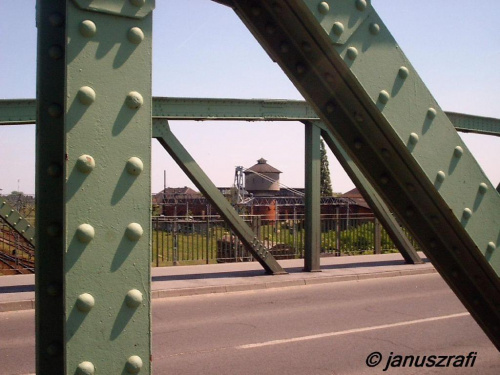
{"x": 201, "y": 49}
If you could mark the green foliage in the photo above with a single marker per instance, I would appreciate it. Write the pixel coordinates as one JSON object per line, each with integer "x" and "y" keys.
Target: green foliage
{"x": 326, "y": 181}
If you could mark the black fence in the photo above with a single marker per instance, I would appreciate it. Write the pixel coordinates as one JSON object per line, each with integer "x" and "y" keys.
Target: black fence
{"x": 208, "y": 239}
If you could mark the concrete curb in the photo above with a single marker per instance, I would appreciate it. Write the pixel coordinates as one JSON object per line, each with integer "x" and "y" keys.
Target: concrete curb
{"x": 195, "y": 291}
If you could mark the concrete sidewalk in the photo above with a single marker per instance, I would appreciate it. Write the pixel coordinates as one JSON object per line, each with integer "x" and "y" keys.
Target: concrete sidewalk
{"x": 17, "y": 292}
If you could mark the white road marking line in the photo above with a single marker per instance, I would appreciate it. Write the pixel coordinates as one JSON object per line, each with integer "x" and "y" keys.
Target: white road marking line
{"x": 349, "y": 331}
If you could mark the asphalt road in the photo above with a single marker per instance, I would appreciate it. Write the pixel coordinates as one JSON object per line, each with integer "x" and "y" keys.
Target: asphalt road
{"x": 318, "y": 329}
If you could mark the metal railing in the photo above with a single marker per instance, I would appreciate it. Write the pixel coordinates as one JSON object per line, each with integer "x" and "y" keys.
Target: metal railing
{"x": 208, "y": 239}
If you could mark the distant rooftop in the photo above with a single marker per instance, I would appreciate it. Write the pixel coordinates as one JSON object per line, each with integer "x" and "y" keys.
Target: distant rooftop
{"x": 262, "y": 167}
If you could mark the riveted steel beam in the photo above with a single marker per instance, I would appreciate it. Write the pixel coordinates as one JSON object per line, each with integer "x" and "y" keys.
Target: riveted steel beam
{"x": 93, "y": 187}
{"x": 376, "y": 203}
{"x": 14, "y": 219}
{"x": 312, "y": 239}
{"x": 185, "y": 161}
{"x": 23, "y": 111}
{"x": 395, "y": 132}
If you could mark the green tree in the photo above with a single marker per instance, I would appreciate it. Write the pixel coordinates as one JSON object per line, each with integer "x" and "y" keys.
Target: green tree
{"x": 326, "y": 181}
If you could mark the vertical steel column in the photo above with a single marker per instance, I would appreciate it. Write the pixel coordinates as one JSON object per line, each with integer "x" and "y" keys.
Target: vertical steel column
{"x": 49, "y": 272}
{"x": 312, "y": 198}
{"x": 93, "y": 187}
{"x": 377, "y": 237}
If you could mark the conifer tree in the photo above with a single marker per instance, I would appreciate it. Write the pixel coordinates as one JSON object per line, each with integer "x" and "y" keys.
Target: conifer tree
{"x": 326, "y": 182}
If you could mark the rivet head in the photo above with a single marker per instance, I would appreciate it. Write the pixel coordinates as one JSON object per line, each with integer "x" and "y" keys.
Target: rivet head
{"x": 134, "y": 166}
{"x": 134, "y": 100}
{"x": 85, "y": 164}
{"x": 256, "y": 11}
{"x": 338, "y": 28}
{"x": 383, "y": 97}
{"x": 491, "y": 247}
{"x": 403, "y": 72}
{"x": 54, "y": 349}
{"x": 134, "y": 364}
{"x": 300, "y": 68}
{"x": 284, "y": 47}
{"x": 87, "y": 28}
{"x": 431, "y": 113}
{"x": 55, "y": 52}
{"x": 53, "y": 290}
{"x": 374, "y": 28}
{"x": 411, "y": 187}
{"x": 56, "y": 19}
{"x": 458, "y": 152}
{"x": 414, "y": 138}
{"x": 384, "y": 179}
{"x": 323, "y": 7}
{"x": 483, "y": 188}
{"x": 361, "y": 5}
{"x": 330, "y": 107}
{"x": 54, "y": 170}
{"x": 134, "y": 231}
{"x": 135, "y": 35}
{"x": 53, "y": 230}
{"x": 270, "y": 29}
{"x": 467, "y": 213}
{"x": 352, "y": 53}
{"x": 85, "y": 233}
{"x": 441, "y": 176}
{"x": 133, "y": 298}
{"x": 54, "y": 110}
{"x": 358, "y": 145}
{"x": 85, "y": 368}
{"x": 85, "y": 302}
{"x": 86, "y": 95}
{"x": 137, "y": 3}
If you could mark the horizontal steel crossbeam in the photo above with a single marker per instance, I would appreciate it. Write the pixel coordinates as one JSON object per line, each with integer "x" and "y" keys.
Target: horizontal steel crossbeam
{"x": 23, "y": 111}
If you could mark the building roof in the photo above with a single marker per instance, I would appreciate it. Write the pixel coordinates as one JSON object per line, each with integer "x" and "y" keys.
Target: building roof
{"x": 262, "y": 167}
{"x": 356, "y": 196}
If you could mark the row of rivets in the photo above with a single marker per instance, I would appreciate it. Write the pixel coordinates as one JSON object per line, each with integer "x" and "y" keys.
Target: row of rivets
{"x": 88, "y": 29}
{"x": 86, "y": 96}
{"x": 86, "y": 164}
{"x": 86, "y": 232}
{"x": 132, "y": 366}
{"x": 85, "y": 302}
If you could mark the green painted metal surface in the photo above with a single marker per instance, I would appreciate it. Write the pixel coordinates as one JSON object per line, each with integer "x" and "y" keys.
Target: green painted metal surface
{"x": 474, "y": 124}
{"x": 100, "y": 215}
{"x": 374, "y": 103}
{"x": 167, "y": 139}
{"x": 376, "y": 203}
{"x": 312, "y": 245}
{"x": 14, "y": 219}
{"x": 49, "y": 204}
{"x": 23, "y": 111}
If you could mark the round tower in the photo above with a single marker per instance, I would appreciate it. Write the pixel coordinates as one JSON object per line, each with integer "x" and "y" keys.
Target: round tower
{"x": 262, "y": 179}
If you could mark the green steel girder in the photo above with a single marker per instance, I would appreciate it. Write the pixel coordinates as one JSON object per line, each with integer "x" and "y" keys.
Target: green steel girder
{"x": 14, "y": 219}
{"x": 382, "y": 212}
{"x": 93, "y": 193}
{"x": 391, "y": 127}
{"x": 162, "y": 132}
{"x": 312, "y": 238}
{"x": 23, "y": 111}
